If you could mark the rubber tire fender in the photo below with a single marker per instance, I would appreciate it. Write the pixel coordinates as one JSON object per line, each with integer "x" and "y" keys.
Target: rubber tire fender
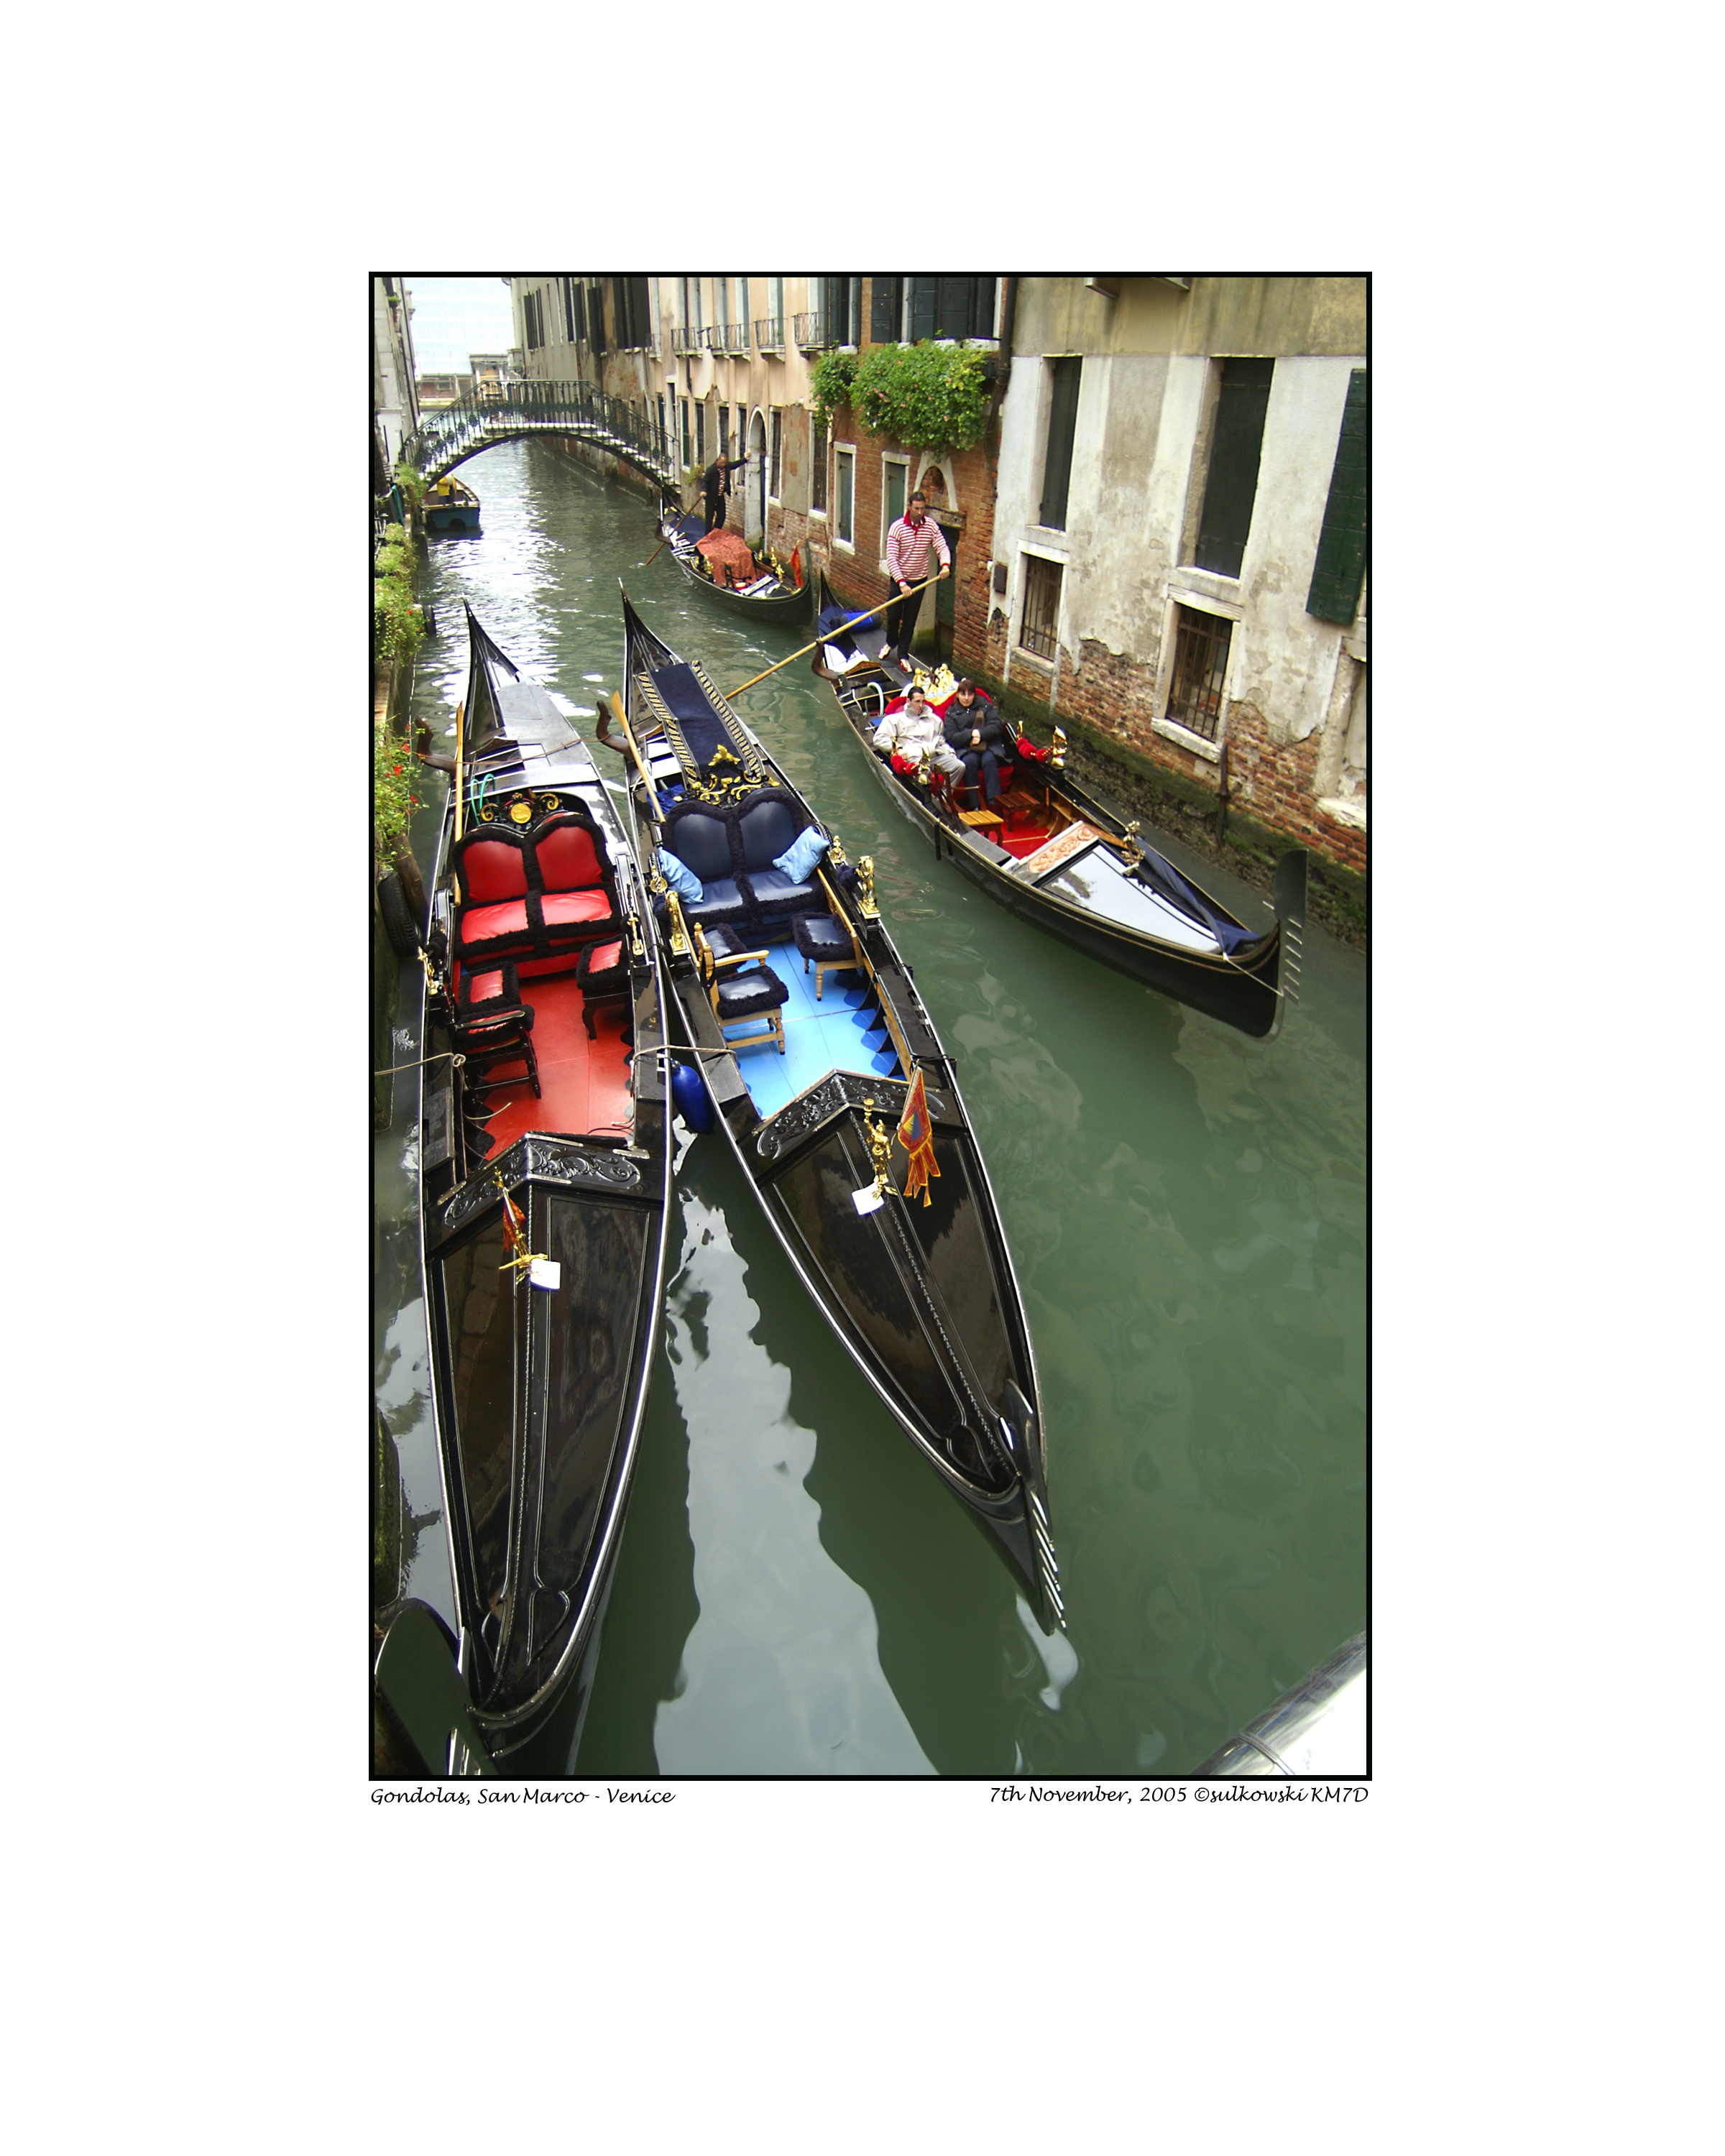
{"x": 397, "y": 917}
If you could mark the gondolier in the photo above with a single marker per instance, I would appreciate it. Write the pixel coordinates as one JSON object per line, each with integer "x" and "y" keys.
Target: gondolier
{"x": 715, "y": 486}
{"x": 908, "y": 546}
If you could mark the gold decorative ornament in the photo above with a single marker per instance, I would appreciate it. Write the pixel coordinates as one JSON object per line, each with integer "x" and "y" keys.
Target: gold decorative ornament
{"x": 1131, "y": 844}
{"x": 1057, "y": 754}
{"x": 880, "y": 1151}
{"x": 521, "y": 810}
{"x": 835, "y": 853}
{"x": 865, "y": 904}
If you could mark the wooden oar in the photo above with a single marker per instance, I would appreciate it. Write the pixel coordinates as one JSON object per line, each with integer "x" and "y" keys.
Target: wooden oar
{"x": 622, "y": 719}
{"x": 460, "y": 732}
{"x": 879, "y": 607}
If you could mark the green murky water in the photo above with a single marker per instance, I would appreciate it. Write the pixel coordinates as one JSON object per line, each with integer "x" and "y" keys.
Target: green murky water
{"x": 797, "y": 1593}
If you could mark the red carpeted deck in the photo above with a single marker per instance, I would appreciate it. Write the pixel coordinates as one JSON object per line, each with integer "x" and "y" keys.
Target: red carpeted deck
{"x": 583, "y": 1084}
{"x": 1028, "y": 825}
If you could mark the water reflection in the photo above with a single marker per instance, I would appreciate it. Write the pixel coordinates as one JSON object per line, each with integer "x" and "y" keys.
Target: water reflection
{"x": 781, "y": 1674}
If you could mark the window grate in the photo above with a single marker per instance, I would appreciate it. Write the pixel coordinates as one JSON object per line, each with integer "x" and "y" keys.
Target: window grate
{"x": 1039, "y": 630}
{"x": 1201, "y": 642}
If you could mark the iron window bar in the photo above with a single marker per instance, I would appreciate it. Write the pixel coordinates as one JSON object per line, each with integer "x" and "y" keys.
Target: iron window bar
{"x": 1201, "y": 642}
{"x": 1038, "y": 630}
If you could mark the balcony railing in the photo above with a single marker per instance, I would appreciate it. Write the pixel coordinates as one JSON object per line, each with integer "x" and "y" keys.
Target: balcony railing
{"x": 686, "y": 339}
{"x": 810, "y": 332}
{"x": 735, "y": 336}
{"x": 769, "y": 334}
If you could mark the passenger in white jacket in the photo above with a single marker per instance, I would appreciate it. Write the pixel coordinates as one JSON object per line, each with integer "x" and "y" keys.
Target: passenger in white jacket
{"x": 915, "y": 735}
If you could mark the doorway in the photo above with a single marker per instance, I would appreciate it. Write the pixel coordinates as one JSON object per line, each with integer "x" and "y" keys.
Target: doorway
{"x": 754, "y": 492}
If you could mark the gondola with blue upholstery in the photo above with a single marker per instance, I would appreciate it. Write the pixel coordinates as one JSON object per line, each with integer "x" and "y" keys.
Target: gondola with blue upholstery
{"x": 834, "y": 1091}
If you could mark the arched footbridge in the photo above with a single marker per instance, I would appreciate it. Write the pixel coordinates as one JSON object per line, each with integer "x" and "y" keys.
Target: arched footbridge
{"x": 458, "y": 431}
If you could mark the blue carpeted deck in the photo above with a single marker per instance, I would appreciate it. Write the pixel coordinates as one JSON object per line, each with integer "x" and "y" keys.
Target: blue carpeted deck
{"x": 844, "y": 1031}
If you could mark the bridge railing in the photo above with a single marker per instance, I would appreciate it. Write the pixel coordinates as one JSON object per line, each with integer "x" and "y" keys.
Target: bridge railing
{"x": 569, "y": 407}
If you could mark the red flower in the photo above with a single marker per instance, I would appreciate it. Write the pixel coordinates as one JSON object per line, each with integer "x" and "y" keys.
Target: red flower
{"x": 396, "y": 768}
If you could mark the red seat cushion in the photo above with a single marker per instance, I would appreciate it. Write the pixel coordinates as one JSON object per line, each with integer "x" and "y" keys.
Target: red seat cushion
{"x": 567, "y": 860}
{"x": 563, "y": 908}
{"x": 601, "y": 957}
{"x": 489, "y": 924}
{"x": 492, "y": 869}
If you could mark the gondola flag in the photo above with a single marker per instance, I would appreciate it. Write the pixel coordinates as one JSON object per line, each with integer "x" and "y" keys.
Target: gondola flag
{"x": 916, "y": 1134}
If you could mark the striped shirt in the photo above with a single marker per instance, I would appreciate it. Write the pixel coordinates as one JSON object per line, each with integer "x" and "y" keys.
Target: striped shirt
{"x": 907, "y": 547}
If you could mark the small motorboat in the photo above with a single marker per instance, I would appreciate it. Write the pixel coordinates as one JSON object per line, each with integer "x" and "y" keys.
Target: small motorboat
{"x": 451, "y": 506}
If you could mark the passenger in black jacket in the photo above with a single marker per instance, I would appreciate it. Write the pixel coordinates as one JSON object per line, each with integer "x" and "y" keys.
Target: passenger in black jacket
{"x": 973, "y": 728}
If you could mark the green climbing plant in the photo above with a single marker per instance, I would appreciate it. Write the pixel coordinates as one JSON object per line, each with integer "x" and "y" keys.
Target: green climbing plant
{"x": 927, "y": 395}
{"x": 830, "y": 378}
{"x": 394, "y": 776}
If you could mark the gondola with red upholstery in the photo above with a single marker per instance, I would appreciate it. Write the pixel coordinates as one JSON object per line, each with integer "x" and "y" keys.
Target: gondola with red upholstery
{"x": 545, "y": 1160}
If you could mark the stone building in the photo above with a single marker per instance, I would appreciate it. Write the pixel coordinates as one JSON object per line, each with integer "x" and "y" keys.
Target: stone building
{"x": 395, "y": 409}
{"x": 1179, "y": 532}
{"x": 1159, "y": 539}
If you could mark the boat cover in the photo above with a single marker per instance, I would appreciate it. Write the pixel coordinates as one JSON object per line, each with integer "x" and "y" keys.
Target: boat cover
{"x": 728, "y": 555}
{"x": 699, "y": 724}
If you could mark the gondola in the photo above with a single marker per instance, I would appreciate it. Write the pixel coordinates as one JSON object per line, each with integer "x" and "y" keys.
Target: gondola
{"x": 772, "y": 596}
{"x": 1052, "y": 852}
{"x": 450, "y": 506}
{"x": 544, "y": 1165}
{"x": 826, "y": 1073}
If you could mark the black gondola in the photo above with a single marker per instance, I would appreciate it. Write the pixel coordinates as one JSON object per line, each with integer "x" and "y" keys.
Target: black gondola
{"x": 1052, "y": 852}
{"x": 774, "y": 597}
{"x": 545, "y": 1179}
{"x": 840, "y": 1103}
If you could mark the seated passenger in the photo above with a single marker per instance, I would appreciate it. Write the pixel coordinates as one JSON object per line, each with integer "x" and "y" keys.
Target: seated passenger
{"x": 974, "y": 730}
{"x": 909, "y": 737}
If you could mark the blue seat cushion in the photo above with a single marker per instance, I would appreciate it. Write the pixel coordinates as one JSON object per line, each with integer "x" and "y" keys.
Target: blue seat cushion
{"x": 758, "y": 990}
{"x": 766, "y": 828}
{"x": 701, "y": 841}
{"x": 771, "y": 890}
{"x": 719, "y": 901}
{"x": 819, "y": 935}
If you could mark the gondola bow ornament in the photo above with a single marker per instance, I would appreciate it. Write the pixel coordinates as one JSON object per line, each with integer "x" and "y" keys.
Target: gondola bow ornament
{"x": 916, "y": 1134}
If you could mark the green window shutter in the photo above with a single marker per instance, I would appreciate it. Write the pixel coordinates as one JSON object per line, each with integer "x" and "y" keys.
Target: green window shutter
{"x": 925, "y": 299}
{"x": 1340, "y": 565}
{"x": 1232, "y": 486}
{"x": 883, "y": 310}
{"x": 1062, "y": 425}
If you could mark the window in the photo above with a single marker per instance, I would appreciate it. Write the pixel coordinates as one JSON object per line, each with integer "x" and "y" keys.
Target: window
{"x": 578, "y": 305}
{"x": 886, "y": 309}
{"x": 568, "y": 290}
{"x": 1201, "y": 642}
{"x": 691, "y": 311}
{"x": 596, "y": 319}
{"x": 845, "y": 462}
{"x": 1340, "y": 564}
{"x": 777, "y": 468}
{"x": 840, "y": 303}
{"x": 1062, "y": 425}
{"x": 532, "y": 321}
{"x": 1039, "y": 630}
{"x": 817, "y": 473}
{"x": 687, "y": 458}
{"x": 1232, "y": 486}
{"x": 700, "y": 435}
{"x": 952, "y": 307}
{"x": 632, "y": 311}
{"x": 897, "y": 473}
{"x": 742, "y": 309}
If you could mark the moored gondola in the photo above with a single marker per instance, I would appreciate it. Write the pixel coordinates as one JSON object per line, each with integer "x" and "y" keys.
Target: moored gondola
{"x": 1051, "y": 850}
{"x": 731, "y": 577}
{"x": 836, "y": 1095}
{"x": 545, "y": 1164}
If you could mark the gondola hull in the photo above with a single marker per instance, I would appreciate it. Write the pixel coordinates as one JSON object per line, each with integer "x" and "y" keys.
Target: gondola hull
{"x": 919, "y": 1288}
{"x": 794, "y": 606}
{"x": 540, "y": 1371}
{"x": 1247, "y": 988}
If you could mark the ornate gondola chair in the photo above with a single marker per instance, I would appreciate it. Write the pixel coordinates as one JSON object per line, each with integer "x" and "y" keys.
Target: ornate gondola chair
{"x": 491, "y": 1025}
{"x": 771, "y": 826}
{"x": 603, "y": 976}
{"x": 535, "y": 898}
{"x": 826, "y": 945}
{"x": 760, "y": 994}
{"x": 699, "y": 835}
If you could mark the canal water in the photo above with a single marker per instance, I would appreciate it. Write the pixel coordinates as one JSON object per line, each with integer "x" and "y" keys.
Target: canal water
{"x": 797, "y": 1593}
